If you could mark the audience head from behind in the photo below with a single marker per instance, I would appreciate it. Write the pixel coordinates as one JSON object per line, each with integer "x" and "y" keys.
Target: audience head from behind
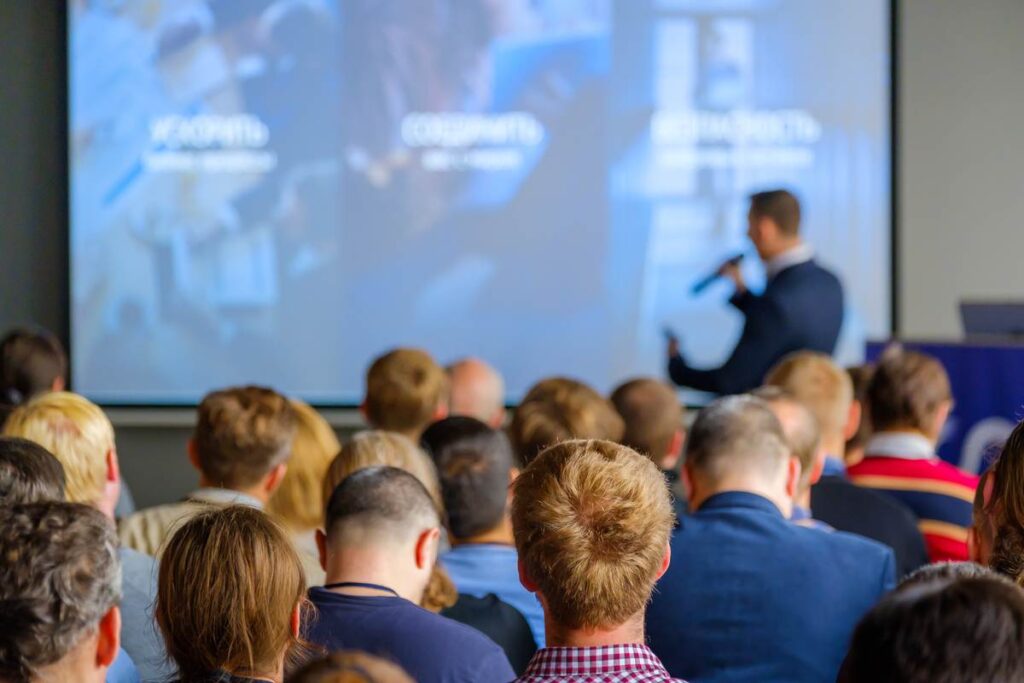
{"x": 351, "y": 667}
{"x": 653, "y": 418}
{"x": 773, "y": 222}
{"x": 1002, "y": 506}
{"x": 802, "y": 434}
{"x": 909, "y": 392}
{"x": 738, "y": 444}
{"x": 298, "y": 502}
{"x": 242, "y": 620}
{"x": 28, "y": 473}
{"x": 963, "y": 630}
{"x": 860, "y": 376}
{"x": 946, "y": 571}
{"x": 60, "y": 616}
{"x": 32, "y": 362}
{"x": 243, "y": 440}
{"x": 79, "y": 435}
{"x": 477, "y": 390}
{"x": 592, "y": 521}
{"x": 476, "y": 466}
{"x": 406, "y": 390}
{"x": 981, "y": 537}
{"x": 559, "y": 409}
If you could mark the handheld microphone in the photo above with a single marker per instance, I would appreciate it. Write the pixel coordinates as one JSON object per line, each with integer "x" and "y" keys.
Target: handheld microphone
{"x": 706, "y": 282}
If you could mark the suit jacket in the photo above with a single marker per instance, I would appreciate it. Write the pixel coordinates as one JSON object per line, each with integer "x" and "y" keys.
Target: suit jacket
{"x": 800, "y": 309}
{"x": 750, "y": 596}
{"x": 874, "y": 515}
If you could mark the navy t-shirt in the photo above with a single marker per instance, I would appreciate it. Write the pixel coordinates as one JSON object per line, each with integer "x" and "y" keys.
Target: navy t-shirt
{"x": 431, "y": 648}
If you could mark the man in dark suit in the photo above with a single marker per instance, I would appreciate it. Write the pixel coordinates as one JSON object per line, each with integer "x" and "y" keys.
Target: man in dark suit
{"x": 750, "y": 596}
{"x": 827, "y": 391}
{"x": 801, "y": 307}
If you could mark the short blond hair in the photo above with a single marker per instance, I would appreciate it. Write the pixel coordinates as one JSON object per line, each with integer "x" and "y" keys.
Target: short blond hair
{"x": 298, "y": 502}
{"x": 820, "y": 385}
{"x": 592, "y": 521}
{"x": 76, "y": 431}
{"x": 558, "y": 409}
{"x": 404, "y": 389}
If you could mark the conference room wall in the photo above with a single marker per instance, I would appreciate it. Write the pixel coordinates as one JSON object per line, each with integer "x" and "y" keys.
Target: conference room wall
{"x": 960, "y": 172}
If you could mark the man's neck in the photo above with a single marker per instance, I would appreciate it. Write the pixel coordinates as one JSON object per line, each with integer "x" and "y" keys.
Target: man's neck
{"x": 702, "y": 493}
{"x": 629, "y": 633}
{"x": 784, "y": 247}
{"x": 258, "y": 492}
{"x": 368, "y": 565}
{"x": 499, "y": 535}
{"x": 833, "y": 446}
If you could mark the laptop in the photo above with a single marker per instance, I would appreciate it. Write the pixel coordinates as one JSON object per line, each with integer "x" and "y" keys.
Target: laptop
{"x": 989, "y": 319}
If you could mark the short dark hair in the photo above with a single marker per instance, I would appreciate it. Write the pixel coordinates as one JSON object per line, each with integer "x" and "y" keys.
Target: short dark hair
{"x": 474, "y": 462}
{"x": 66, "y": 578}
{"x": 961, "y": 631}
{"x": 906, "y": 390}
{"x": 860, "y": 375}
{"x": 30, "y": 361}
{"x": 28, "y": 473}
{"x": 652, "y": 414}
{"x": 736, "y": 432}
{"x": 947, "y": 571}
{"x": 781, "y": 206}
{"x": 379, "y": 496}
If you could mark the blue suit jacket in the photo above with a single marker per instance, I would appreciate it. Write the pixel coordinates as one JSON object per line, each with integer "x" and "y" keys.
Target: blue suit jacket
{"x": 752, "y": 597}
{"x": 800, "y": 309}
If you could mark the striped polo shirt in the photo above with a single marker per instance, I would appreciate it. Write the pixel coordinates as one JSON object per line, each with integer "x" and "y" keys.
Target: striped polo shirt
{"x": 905, "y": 466}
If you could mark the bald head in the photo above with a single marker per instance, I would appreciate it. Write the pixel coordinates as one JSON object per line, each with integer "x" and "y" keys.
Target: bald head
{"x": 477, "y": 390}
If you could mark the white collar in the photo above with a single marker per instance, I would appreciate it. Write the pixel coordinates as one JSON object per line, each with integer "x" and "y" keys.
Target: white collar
{"x": 215, "y": 496}
{"x": 904, "y": 445}
{"x": 801, "y": 253}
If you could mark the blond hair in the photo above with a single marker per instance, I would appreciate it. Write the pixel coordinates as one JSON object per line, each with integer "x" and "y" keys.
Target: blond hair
{"x": 298, "y": 502}
{"x": 558, "y": 409}
{"x": 404, "y": 389}
{"x": 77, "y": 432}
{"x": 820, "y": 385}
{"x": 592, "y": 521}
{"x": 351, "y": 667}
{"x": 237, "y": 620}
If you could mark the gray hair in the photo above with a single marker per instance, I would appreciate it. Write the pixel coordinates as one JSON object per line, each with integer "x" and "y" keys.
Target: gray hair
{"x": 799, "y": 425}
{"x": 60, "y": 574}
{"x": 737, "y": 433}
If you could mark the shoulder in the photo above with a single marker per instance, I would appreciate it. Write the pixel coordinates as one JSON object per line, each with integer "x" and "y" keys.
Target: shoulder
{"x": 146, "y": 530}
{"x": 835, "y": 544}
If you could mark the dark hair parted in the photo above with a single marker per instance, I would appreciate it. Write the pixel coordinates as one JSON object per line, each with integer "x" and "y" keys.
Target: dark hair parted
{"x": 28, "y": 473}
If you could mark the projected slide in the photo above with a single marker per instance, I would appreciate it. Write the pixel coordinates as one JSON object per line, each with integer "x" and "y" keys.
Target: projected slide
{"x": 278, "y": 191}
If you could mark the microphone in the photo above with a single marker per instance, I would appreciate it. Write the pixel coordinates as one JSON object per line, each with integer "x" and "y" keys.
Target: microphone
{"x": 707, "y": 281}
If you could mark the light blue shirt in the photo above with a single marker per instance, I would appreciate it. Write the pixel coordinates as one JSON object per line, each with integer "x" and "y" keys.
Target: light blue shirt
{"x": 479, "y": 569}
{"x": 123, "y": 669}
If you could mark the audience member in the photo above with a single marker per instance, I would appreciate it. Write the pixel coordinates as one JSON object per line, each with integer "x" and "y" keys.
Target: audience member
{"x": 946, "y": 571}
{"x": 968, "y": 630}
{"x": 379, "y": 549}
{"x": 351, "y": 667}
{"x": 749, "y": 595}
{"x": 592, "y": 521}
{"x": 981, "y": 538}
{"x": 827, "y": 391}
{"x": 28, "y": 473}
{"x": 476, "y": 467}
{"x": 499, "y": 621}
{"x": 230, "y": 598}
{"x": 81, "y": 437}
{"x": 477, "y": 390}
{"x": 298, "y": 503}
{"x": 654, "y": 426}
{"x": 559, "y": 409}
{"x": 1004, "y": 509}
{"x": 804, "y": 439}
{"x": 909, "y": 400}
{"x": 860, "y": 377}
{"x": 60, "y": 583}
{"x": 405, "y": 391}
{"x": 240, "y": 447}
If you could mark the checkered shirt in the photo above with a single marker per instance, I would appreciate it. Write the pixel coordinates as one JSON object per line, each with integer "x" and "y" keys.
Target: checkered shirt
{"x": 611, "y": 664}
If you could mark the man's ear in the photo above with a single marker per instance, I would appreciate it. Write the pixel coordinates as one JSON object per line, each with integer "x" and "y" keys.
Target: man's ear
{"x": 675, "y": 450}
{"x": 941, "y": 416}
{"x": 792, "y": 477}
{"x": 817, "y": 467}
{"x": 524, "y": 578}
{"x": 441, "y": 411}
{"x": 497, "y": 420}
{"x": 109, "y": 639}
{"x": 58, "y": 384}
{"x": 321, "y": 548}
{"x": 665, "y": 561}
{"x": 275, "y": 477}
{"x": 426, "y": 548}
{"x": 686, "y": 481}
{"x": 363, "y": 412}
{"x": 853, "y": 418}
{"x": 113, "y": 467}
{"x": 193, "y": 455}
{"x": 296, "y": 620}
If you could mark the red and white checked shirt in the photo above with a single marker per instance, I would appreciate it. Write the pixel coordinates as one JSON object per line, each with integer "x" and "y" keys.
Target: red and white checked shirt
{"x": 611, "y": 664}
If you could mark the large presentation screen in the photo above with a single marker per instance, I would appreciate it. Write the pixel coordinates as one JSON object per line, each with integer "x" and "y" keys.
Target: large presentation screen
{"x": 278, "y": 191}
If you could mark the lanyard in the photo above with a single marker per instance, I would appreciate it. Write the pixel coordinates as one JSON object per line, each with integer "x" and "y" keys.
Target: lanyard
{"x": 359, "y": 584}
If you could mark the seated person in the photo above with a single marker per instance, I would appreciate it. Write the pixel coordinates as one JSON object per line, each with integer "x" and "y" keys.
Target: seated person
{"x": 476, "y": 467}
{"x": 60, "y": 616}
{"x": 827, "y": 391}
{"x": 379, "y": 550}
{"x": 28, "y": 473}
{"x": 558, "y": 409}
{"x": 654, "y": 420}
{"x": 909, "y": 399}
{"x": 592, "y": 521}
{"x": 236, "y": 624}
{"x": 477, "y": 390}
{"x": 405, "y": 391}
{"x": 750, "y": 596}
{"x": 79, "y": 435}
{"x": 351, "y": 667}
{"x": 965, "y": 630}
